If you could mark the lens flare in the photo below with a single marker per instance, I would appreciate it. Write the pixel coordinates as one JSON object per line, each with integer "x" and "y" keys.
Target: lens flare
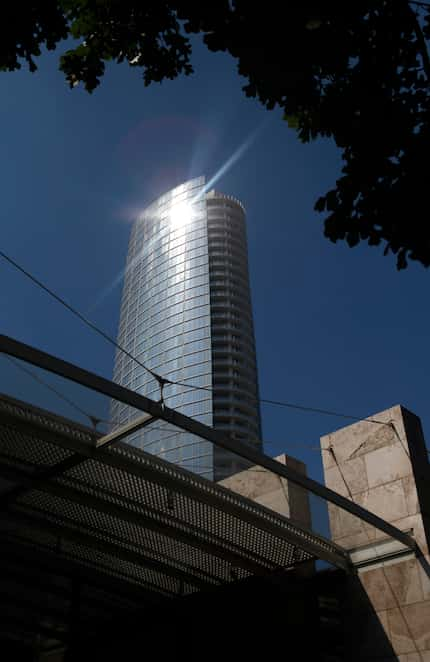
{"x": 181, "y": 214}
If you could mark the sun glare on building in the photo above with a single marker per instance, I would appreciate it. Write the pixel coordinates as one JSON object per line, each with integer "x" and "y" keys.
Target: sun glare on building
{"x": 187, "y": 316}
{"x": 181, "y": 214}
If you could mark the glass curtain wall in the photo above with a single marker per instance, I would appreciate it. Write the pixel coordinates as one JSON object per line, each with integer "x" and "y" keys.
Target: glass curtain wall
{"x": 165, "y": 322}
{"x": 186, "y": 314}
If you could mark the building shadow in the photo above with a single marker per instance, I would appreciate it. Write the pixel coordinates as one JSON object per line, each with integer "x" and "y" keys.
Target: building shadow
{"x": 325, "y": 617}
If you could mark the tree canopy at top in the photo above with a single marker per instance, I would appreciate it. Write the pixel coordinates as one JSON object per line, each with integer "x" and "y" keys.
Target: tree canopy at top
{"x": 355, "y": 71}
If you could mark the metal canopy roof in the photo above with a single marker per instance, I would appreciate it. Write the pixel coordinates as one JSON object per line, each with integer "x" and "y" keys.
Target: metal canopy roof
{"x": 93, "y": 529}
{"x": 157, "y": 410}
{"x": 133, "y": 528}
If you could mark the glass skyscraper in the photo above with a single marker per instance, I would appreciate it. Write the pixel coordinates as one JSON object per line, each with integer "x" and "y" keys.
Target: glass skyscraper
{"x": 186, "y": 314}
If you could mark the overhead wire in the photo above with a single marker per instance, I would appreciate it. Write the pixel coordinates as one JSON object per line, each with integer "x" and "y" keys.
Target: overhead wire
{"x": 162, "y": 381}
{"x": 58, "y": 393}
{"x": 97, "y": 419}
{"x": 94, "y": 419}
{"x": 72, "y": 403}
{"x": 279, "y": 403}
{"x": 373, "y": 545}
{"x": 75, "y": 312}
{"x": 112, "y": 421}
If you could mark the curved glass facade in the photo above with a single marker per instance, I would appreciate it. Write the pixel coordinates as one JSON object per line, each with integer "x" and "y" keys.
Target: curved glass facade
{"x": 235, "y": 381}
{"x": 186, "y": 314}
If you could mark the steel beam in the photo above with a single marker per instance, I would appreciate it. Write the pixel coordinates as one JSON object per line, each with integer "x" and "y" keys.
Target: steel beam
{"x": 26, "y": 625}
{"x": 160, "y": 473}
{"x": 101, "y": 385}
{"x": 124, "y": 431}
{"x": 148, "y": 519}
{"x": 125, "y": 588}
{"x": 14, "y": 573}
{"x": 41, "y": 610}
{"x": 78, "y": 536}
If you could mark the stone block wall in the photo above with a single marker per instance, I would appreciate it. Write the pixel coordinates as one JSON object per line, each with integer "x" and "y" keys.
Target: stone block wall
{"x": 385, "y": 468}
{"x": 274, "y": 492}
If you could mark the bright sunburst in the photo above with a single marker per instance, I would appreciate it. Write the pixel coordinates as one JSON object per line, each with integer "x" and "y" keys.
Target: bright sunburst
{"x": 181, "y": 214}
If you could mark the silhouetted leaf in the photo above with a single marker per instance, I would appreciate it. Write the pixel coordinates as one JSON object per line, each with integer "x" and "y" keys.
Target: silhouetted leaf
{"x": 357, "y": 72}
{"x": 292, "y": 121}
{"x": 320, "y": 204}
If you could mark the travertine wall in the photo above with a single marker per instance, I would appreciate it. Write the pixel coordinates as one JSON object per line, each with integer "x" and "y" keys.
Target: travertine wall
{"x": 272, "y": 491}
{"x": 385, "y": 469}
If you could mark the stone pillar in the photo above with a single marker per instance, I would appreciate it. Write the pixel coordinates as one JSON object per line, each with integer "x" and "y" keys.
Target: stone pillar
{"x": 385, "y": 468}
{"x": 274, "y": 492}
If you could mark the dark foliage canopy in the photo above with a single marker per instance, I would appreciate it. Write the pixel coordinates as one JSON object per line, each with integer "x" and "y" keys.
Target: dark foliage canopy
{"x": 355, "y": 71}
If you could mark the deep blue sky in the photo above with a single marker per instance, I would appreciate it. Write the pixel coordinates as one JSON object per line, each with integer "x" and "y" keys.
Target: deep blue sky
{"x": 336, "y": 328}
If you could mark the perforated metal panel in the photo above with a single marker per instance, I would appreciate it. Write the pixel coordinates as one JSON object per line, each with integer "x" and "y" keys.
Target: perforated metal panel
{"x": 131, "y": 518}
